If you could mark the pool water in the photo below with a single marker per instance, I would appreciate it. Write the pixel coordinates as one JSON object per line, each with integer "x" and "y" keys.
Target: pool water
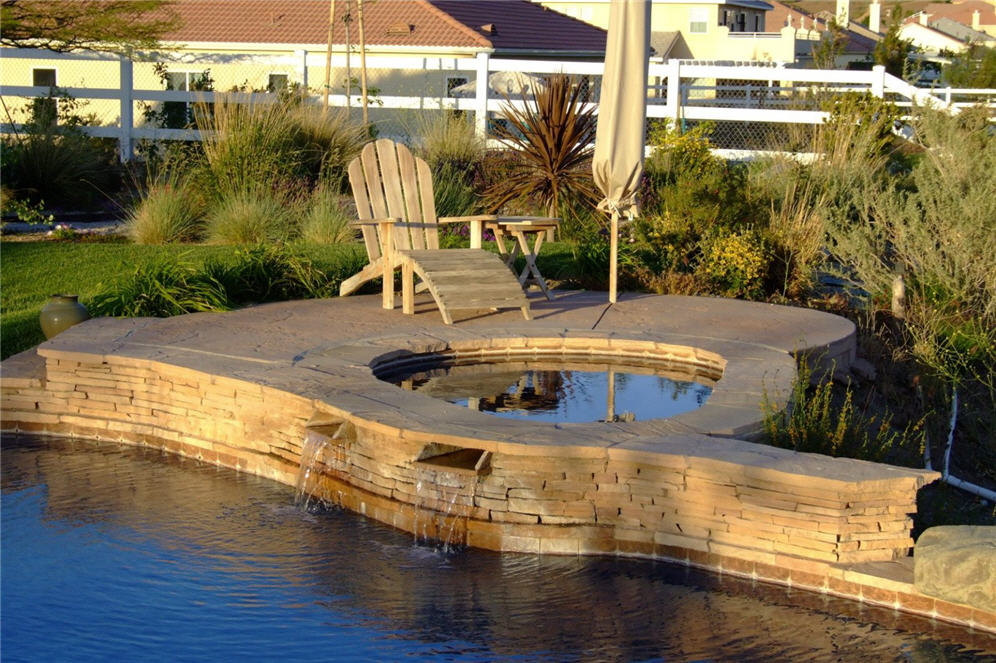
{"x": 572, "y": 393}
{"x": 118, "y": 553}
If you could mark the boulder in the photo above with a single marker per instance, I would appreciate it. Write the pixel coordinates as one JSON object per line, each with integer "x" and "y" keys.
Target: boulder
{"x": 957, "y": 564}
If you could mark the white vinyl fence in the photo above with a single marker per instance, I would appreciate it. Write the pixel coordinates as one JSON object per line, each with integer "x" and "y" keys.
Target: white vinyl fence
{"x": 749, "y": 104}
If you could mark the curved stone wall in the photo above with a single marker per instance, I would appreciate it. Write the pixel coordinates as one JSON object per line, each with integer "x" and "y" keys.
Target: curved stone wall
{"x": 672, "y": 489}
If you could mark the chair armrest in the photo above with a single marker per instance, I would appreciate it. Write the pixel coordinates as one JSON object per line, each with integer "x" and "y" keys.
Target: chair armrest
{"x": 467, "y": 219}
{"x": 540, "y": 220}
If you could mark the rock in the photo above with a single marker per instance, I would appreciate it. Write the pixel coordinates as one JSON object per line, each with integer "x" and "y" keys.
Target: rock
{"x": 958, "y": 564}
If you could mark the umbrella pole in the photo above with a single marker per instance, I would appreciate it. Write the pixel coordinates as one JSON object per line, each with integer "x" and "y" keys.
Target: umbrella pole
{"x": 613, "y": 255}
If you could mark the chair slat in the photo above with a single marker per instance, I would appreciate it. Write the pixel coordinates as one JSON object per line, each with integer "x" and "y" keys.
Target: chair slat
{"x": 357, "y": 181}
{"x": 412, "y": 200}
{"x": 387, "y": 154}
{"x": 428, "y": 205}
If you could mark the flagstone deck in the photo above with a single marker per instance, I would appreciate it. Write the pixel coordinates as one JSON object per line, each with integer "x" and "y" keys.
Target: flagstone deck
{"x": 246, "y": 389}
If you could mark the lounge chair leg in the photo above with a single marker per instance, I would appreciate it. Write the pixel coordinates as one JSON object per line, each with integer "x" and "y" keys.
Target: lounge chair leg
{"x": 526, "y": 313}
{"x": 408, "y": 287}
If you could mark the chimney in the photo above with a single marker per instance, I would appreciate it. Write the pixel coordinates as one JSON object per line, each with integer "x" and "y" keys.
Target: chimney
{"x": 875, "y": 17}
{"x": 843, "y": 13}
{"x": 923, "y": 18}
{"x": 976, "y": 20}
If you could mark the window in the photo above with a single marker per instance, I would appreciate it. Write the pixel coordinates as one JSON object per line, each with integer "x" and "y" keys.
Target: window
{"x": 45, "y": 110}
{"x": 454, "y": 82}
{"x": 43, "y": 77}
{"x": 698, "y": 20}
{"x": 277, "y": 83}
{"x": 757, "y": 23}
{"x": 179, "y": 114}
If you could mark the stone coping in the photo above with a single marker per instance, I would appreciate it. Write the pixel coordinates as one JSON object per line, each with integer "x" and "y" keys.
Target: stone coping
{"x": 744, "y": 375}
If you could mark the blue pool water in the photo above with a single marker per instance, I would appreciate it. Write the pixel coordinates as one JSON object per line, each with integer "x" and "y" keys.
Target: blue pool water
{"x": 115, "y": 553}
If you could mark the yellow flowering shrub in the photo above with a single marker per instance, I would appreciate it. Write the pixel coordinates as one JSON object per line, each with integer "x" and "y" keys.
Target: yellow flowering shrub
{"x": 736, "y": 264}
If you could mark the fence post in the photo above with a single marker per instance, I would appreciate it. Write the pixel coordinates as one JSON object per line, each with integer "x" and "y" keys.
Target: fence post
{"x": 674, "y": 90}
{"x": 878, "y": 81}
{"x": 127, "y": 119}
{"x": 481, "y": 95}
{"x": 302, "y": 68}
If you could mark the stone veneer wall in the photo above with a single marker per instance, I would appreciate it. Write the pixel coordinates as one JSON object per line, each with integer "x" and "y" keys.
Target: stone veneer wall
{"x": 787, "y": 527}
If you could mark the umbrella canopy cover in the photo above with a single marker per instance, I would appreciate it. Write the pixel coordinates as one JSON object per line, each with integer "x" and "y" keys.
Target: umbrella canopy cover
{"x": 622, "y": 109}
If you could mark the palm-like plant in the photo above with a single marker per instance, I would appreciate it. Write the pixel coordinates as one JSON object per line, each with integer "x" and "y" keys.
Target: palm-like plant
{"x": 553, "y": 136}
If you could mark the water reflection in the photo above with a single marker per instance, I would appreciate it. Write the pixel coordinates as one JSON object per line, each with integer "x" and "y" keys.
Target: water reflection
{"x": 117, "y": 552}
{"x": 560, "y": 392}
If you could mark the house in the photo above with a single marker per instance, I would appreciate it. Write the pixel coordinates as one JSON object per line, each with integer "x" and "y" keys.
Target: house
{"x": 858, "y": 41}
{"x": 979, "y": 15}
{"x": 266, "y": 45}
{"x": 938, "y": 36}
{"x": 702, "y": 30}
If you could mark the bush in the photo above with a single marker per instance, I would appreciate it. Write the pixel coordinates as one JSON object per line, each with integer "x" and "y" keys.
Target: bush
{"x": 735, "y": 264}
{"x": 453, "y": 192}
{"x": 817, "y": 421}
{"x": 248, "y": 147}
{"x": 53, "y": 160}
{"x": 269, "y": 273}
{"x": 326, "y": 220}
{"x": 449, "y": 140}
{"x": 551, "y": 136}
{"x": 249, "y": 217}
{"x": 161, "y": 289}
{"x": 168, "y": 213}
{"x": 327, "y": 142}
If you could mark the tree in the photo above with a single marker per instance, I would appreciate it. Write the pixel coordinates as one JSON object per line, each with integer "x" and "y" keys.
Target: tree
{"x": 830, "y": 46}
{"x": 69, "y": 25}
{"x": 893, "y": 51}
{"x": 975, "y": 67}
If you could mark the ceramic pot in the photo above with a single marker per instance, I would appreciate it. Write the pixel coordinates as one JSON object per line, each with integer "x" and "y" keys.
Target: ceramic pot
{"x": 60, "y": 313}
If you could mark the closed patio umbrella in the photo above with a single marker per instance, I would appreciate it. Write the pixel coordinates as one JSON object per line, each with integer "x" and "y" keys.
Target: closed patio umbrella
{"x": 622, "y": 110}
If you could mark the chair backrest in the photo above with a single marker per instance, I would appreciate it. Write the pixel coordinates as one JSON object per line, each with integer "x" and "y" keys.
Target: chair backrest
{"x": 387, "y": 181}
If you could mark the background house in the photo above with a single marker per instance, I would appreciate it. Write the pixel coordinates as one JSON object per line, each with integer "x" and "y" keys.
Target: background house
{"x": 702, "y": 30}
{"x": 268, "y": 45}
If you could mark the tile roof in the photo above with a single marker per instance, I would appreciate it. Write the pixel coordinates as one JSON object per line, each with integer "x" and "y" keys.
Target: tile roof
{"x": 499, "y": 25}
{"x": 962, "y": 11}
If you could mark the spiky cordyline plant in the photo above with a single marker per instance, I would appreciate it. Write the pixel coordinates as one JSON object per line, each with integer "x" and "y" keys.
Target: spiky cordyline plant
{"x": 553, "y": 135}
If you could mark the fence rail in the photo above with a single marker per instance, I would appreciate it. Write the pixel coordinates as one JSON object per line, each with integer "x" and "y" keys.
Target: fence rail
{"x": 744, "y": 98}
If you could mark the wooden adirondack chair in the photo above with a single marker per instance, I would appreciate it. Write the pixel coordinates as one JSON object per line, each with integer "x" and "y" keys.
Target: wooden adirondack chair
{"x": 397, "y": 216}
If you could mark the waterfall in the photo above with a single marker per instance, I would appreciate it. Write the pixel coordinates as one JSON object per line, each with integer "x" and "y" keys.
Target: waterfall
{"x": 443, "y": 504}
{"x": 313, "y": 453}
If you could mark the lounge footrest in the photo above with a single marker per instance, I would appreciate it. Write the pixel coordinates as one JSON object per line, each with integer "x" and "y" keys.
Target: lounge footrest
{"x": 466, "y": 279}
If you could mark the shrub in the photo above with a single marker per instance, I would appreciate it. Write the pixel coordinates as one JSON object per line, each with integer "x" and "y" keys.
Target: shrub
{"x": 818, "y": 422}
{"x": 551, "y": 135}
{"x": 326, "y": 220}
{"x": 248, "y": 147}
{"x": 736, "y": 264}
{"x": 249, "y": 217}
{"x": 453, "y": 192}
{"x": 269, "y": 273}
{"x": 168, "y": 213}
{"x": 449, "y": 140}
{"x": 327, "y": 140}
{"x": 161, "y": 289}
{"x": 796, "y": 228}
{"x": 53, "y": 160}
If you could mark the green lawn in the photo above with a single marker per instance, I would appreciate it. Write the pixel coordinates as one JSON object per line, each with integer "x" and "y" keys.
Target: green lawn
{"x": 32, "y": 271}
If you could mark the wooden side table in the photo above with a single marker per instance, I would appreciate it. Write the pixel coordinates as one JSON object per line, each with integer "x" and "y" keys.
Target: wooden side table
{"x": 519, "y": 229}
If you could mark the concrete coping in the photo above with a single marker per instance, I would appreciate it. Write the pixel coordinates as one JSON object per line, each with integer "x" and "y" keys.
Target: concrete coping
{"x": 741, "y": 381}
